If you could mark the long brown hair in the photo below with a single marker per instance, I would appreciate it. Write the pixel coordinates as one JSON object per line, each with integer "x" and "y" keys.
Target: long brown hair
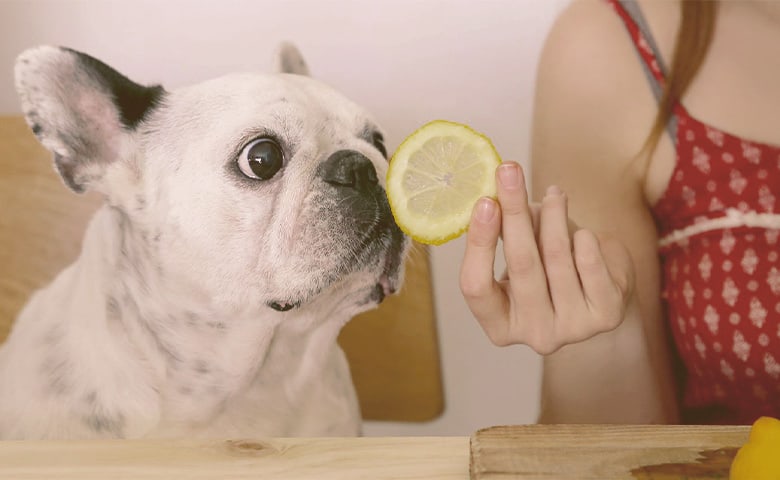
{"x": 697, "y": 25}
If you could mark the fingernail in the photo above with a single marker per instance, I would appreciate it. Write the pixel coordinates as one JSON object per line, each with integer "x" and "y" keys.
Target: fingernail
{"x": 554, "y": 190}
{"x": 509, "y": 175}
{"x": 486, "y": 210}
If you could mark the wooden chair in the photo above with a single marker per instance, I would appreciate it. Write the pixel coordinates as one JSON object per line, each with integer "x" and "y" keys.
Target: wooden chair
{"x": 392, "y": 351}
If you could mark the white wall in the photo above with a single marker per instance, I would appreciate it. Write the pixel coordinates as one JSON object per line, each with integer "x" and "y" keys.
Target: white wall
{"x": 408, "y": 61}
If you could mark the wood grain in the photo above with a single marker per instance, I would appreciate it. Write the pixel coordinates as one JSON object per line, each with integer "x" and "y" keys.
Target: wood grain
{"x": 41, "y": 220}
{"x": 278, "y": 459}
{"x": 393, "y": 351}
{"x": 604, "y": 452}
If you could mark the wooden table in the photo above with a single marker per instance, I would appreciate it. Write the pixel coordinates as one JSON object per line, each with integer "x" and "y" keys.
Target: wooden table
{"x": 559, "y": 452}
{"x": 275, "y": 459}
{"x": 605, "y": 452}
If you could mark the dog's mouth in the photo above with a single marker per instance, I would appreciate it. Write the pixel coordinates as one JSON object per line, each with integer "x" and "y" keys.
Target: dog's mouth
{"x": 387, "y": 283}
{"x": 381, "y": 249}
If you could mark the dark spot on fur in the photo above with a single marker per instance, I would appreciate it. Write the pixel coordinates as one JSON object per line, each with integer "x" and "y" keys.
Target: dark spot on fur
{"x": 216, "y": 325}
{"x": 112, "y": 307}
{"x": 66, "y": 169}
{"x": 37, "y": 129}
{"x": 140, "y": 202}
{"x": 91, "y": 399}
{"x": 202, "y": 367}
{"x": 192, "y": 319}
{"x": 375, "y": 296}
{"x": 103, "y": 423}
{"x": 54, "y": 337}
{"x": 57, "y": 369}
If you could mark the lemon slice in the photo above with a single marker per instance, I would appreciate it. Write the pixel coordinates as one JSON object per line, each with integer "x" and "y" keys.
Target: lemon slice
{"x": 436, "y": 176}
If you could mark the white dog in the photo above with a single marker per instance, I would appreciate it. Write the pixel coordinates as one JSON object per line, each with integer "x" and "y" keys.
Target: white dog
{"x": 245, "y": 223}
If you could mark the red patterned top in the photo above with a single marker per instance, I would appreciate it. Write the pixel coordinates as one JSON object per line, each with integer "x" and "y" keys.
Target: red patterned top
{"x": 718, "y": 222}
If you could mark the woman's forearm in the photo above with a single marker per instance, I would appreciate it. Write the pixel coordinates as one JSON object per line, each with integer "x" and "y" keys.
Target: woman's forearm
{"x": 606, "y": 379}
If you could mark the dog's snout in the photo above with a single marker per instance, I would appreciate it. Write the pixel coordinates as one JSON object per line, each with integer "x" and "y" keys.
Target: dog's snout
{"x": 348, "y": 168}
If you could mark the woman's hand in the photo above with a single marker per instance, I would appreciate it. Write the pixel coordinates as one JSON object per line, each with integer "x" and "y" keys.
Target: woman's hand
{"x": 562, "y": 284}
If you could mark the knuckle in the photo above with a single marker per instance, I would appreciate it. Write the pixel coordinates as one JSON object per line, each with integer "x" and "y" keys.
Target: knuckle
{"x": 623, "y": 286}
{"x": 471, "y": 291}
{"x": 588, "y": 262}
{"x": 514, "y": 205}
{"x": 481, "y": 236}
{"x": 497, "y": 338}
{"x": 470, "y": 287}
{"x": 543, "y": 342}
{"x": 556, "y": 249}
{"x": 613, "y": 321}
{"x": 613, "y": 315}
{"x": 546, "y": 347}
{"x": 522, "y": 263}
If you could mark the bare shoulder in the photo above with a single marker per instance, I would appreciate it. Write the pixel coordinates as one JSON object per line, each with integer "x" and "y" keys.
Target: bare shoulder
{"x": 593, "y": 106}
{"x": 592, "y": 30}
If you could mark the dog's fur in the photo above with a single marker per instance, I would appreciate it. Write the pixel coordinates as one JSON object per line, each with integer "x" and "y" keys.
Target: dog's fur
{"x": 204, "y": 302}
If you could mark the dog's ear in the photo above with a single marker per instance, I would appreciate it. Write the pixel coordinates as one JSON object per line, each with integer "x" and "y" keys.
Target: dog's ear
{"x": 81, "y": 109}
{"x": 290, "y": 60}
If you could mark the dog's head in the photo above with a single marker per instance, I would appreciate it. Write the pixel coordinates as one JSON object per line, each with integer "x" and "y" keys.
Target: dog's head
{"x": 256, "y": 191}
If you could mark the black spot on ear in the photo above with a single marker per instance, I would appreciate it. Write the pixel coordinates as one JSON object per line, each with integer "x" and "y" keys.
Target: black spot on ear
{"x": 133, "y": 101}
{"x": 37, "y": 129}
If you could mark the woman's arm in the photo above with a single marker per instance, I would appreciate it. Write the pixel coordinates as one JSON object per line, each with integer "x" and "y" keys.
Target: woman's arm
{"x": 593, "y": 109}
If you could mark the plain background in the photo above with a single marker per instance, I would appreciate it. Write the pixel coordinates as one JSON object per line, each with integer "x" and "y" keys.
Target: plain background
{"x": 407, "y": 61}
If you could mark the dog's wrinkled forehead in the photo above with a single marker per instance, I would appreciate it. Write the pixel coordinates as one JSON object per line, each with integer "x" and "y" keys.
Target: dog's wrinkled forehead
{"x": 293, "y": 109}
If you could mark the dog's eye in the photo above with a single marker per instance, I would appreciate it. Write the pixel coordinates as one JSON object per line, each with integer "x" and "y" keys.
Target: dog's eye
{"x": 261, "y": 159}
{"x": 379, "y": 142}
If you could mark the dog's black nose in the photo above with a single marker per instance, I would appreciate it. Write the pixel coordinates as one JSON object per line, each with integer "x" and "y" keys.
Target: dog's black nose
{"x": 348, "y": 168}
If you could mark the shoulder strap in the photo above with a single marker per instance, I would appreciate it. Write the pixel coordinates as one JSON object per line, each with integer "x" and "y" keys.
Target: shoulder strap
{"x": 650, "y": 55}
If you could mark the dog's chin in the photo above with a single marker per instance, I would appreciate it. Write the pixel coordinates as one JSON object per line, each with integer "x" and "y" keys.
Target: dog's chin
{"x": 386, "y": 283}
{"x": 388, "y": 268}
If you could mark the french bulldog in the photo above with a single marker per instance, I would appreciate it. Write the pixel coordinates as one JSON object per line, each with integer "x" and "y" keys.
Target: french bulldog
{"x": 245, "y": 222}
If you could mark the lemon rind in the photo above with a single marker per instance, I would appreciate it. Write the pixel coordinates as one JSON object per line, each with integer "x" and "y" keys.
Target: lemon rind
{"x": 452, "y": 227}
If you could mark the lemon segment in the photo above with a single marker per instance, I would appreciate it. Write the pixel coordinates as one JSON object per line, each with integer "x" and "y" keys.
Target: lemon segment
{"x": 436, "y": 176}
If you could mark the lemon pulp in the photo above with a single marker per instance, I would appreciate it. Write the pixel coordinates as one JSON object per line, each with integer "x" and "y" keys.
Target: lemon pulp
{"x": 435, "y": 177}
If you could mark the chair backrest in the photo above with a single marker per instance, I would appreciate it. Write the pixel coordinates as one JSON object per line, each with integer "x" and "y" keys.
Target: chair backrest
{"x": 392, "y": 351}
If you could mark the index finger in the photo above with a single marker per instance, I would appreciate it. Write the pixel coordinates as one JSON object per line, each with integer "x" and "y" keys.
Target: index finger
{"x": 485, "y": 298}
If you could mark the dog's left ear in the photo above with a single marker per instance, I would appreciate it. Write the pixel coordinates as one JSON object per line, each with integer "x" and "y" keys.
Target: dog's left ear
{"x": 290, "y": 60}
{"x": 81, "y": 109}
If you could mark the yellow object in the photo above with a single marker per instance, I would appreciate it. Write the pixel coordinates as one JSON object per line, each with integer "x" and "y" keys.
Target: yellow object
{"x": 436, "y": 176}
{"x": 759, "y": 458}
